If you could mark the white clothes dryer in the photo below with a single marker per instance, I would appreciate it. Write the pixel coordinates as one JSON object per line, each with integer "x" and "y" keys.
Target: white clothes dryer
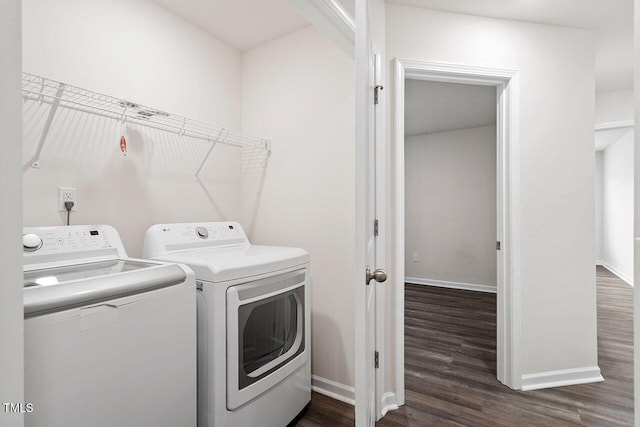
{"x": 254, "y": 332}
{"x": 108, "y": 340}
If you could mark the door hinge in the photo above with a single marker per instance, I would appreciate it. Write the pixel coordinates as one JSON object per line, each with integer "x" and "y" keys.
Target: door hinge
{"x": 376, "y": 359}
{"x": 376, "y": 89}
{"x": 376, "y": 228}
{"x": 497, "y": 246}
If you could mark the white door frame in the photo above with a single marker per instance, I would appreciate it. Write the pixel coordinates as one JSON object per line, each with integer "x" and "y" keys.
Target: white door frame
{"x": 365, "y": 240}
{"x": 11, "y": 291}
{"x": 385, "y": 400}
{"x": 508, "y": 351}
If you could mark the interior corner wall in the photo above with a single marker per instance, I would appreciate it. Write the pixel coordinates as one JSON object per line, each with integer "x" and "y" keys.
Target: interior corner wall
{"x": 299, "y": 90}
{"x": 617, "y": 206}
{"x": 598, "y": 204}
{"x": 556, "y": 116}
{"x": 11, "y": 313}
{"x": 138, "y": 51}
{"x": 450, "y": 206}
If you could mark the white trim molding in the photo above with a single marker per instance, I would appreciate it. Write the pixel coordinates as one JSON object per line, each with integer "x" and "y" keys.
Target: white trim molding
{"x": 615, "y": 125}
{"x": 330, "y": 17}
{"x": 506, "y": 82}
{"x": 590, "y": 374}
{"x": 333, "y": 389}
{"x": 389, "y": 403}
{"x": 451, "y": 285}
{"x": 628, "y": 279}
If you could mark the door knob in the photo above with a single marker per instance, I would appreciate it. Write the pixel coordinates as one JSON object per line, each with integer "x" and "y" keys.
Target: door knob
{"x": 379, "y": 275}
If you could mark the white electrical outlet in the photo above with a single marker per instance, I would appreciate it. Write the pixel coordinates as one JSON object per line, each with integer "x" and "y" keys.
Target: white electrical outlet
{"x": 67, "y": 194}
{"x": 416, "y": 257}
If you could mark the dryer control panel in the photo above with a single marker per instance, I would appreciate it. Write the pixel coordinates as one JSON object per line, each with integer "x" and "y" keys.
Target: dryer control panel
{"x": 165, "y": 238}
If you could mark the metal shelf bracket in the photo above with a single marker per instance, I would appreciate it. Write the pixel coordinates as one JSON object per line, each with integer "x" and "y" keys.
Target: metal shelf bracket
{"x": 35, "y": 160}
{"x": 196, "y": 177}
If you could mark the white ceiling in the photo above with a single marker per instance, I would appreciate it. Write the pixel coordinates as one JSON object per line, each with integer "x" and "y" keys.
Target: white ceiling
{"x": 570, "y": 13}
{"x": 245, "y": 24}
{"x": 439, "y": 107}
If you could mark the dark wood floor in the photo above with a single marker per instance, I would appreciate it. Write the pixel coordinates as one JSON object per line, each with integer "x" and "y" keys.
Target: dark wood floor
{"x": 450, "y": 369}
{"x": 325, "y": 411}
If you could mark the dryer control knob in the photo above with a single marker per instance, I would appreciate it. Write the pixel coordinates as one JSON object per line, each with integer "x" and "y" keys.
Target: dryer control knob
{"x": 31, "y": 242}
{"x": 202, "y": 232}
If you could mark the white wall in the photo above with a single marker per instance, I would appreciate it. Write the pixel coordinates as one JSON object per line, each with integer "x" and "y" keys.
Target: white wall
{"x": 556, "y": 117}
{"x": 137, "y": 50}
{"x": 299, "y": 90}
{"x": 636, "y": 199}
{"x": 617, "y": 207}
{"x": 11, "y": 316}
{"x": 450, "y": 206}
{"x": 614, "y": 106}
{"x": 598, "y": 204}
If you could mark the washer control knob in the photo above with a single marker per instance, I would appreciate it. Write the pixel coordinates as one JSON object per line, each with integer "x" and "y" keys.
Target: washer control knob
{"x": 31, "y": 242}
{"x": 202, "y": 232}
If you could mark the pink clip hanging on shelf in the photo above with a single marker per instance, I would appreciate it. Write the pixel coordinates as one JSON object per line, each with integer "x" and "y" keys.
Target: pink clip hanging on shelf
{"x": 123, "y": 145}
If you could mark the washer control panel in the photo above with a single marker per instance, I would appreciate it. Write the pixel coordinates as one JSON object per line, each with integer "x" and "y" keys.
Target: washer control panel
{"x": 86, "y": 238}
{"x": 31, "y": 242}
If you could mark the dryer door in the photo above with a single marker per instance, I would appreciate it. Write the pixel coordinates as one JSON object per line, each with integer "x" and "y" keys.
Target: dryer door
{"x": 265, "y": 334}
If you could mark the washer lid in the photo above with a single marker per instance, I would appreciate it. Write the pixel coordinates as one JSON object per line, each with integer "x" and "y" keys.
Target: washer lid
{"x": 224, "y": 264}
{"x": 74, "y": 285}
{"x": 58, "y": 275}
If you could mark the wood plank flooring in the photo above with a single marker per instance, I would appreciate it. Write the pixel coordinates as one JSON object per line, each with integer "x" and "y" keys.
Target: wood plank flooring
{"x": 325, "y": 411}
{"x": 450, "y": 368}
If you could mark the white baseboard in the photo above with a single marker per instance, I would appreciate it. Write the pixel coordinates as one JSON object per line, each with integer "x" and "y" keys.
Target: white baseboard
{"x": 561, "y": 378}
{"x": 333, "y": 389}
{"x": 346, "y": 394}
{"x": 600, "y": 262}
{"x": 618, "y": 273}
{"x": 389, "y": 402}
{"x": 452, "y": 285}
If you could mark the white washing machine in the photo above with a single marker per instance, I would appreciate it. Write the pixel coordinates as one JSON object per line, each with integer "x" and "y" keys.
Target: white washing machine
{"x": 108, "y": 340}
{"x": 254, "y": 335}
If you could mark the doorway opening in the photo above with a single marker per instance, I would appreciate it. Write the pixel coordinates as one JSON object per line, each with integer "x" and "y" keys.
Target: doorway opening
{"x": 450, "y": 185}
{"x": 614, "y": 187}
{"x": 450, "y": 234}
{"x": 504, "y": 83}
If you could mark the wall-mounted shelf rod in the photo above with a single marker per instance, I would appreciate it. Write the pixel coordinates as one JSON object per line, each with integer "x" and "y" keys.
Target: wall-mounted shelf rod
{"x": 61, "y": 95}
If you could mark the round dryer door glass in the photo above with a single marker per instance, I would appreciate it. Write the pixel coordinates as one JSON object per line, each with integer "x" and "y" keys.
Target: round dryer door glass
{"x": 270, "y": 333}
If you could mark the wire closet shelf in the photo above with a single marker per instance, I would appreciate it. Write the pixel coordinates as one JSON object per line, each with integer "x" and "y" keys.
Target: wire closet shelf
{"x": 58, "y": 94}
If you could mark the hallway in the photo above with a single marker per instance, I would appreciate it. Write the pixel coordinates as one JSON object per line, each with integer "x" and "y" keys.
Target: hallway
{"x": 450, "y": 368}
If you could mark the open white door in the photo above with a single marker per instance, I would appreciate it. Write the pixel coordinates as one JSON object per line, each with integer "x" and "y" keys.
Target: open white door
{"x": 367, "y": 272}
